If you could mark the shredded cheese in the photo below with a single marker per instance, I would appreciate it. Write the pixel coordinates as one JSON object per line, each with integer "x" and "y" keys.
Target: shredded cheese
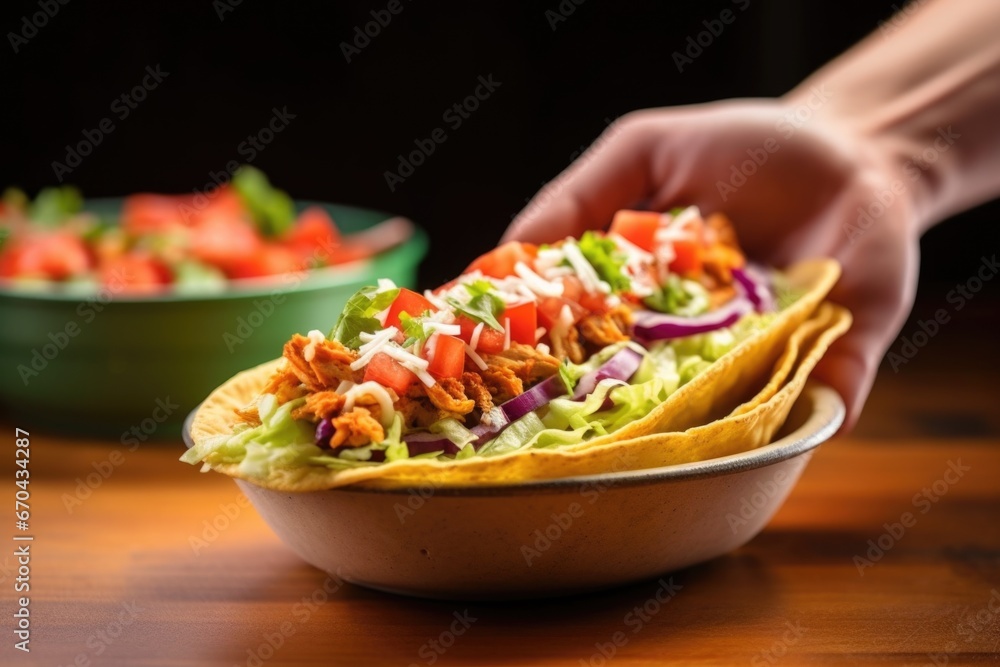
{"x": 372, "y": 345}
{"x": 384, "y": 397}
{"x": 584, "y": 271}
{"x": 535, "y": 283}
{"x": 476, "y": 359}
{"x": 315, "y": 338}
{"x": 476, "y": 333}
{"x": 506, "y": 333}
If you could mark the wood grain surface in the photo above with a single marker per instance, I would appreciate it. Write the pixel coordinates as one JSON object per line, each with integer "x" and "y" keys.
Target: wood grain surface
{"x": 133, "y": 571}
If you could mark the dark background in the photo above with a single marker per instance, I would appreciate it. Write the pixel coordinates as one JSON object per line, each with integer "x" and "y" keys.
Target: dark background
{"x": 353, "y": 119}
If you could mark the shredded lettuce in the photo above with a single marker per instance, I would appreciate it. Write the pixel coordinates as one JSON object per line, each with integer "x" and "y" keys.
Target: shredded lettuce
{"x": 677, "y": 296}
{"x": 603, "y": 254}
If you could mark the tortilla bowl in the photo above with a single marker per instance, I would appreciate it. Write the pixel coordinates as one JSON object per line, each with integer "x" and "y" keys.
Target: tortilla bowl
{"x": 554, "y": 537}
{"x": 736, "y": 404}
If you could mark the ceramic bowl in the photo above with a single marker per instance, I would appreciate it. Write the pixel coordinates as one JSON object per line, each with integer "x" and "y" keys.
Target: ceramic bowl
{"x": 549, "y": 538}
{"x": 133, "y": 367}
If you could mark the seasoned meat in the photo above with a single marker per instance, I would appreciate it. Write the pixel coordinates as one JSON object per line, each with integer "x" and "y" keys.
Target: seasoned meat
{"x": 502, "y": 383}
{"x": 329, "y": 365}
{"x": 567, "y": 345}
{"x": 356, "y": 428}
{"x": 527, "y": 363}
{"x": 449, "y": 395}
{"x": 320, "y": 405}
{"x": 477, "y": 391}
{"x": 601, "y": 330}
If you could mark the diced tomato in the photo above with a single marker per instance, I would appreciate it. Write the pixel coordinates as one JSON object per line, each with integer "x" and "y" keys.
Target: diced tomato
{"x": 572, "y": 288}
{"x": 490, "y": 340}
{"x": 523, "y": 322}
{"x": 315, "y": 237}
{"x": 448, "y": 359}
{"x": 637, "y": 227}
{"x": 134, "y": 273}
{"x": 550, "y": 309}
{"x": 51, "y": 256}
{"x": 267, "y": 260}
{"x": 687, "y": 257}
{"x": 388, "y": 372}
{"x": 409, "y": 302}
{"x": 225, "y": 242}
{"x": 500, "y": 262}
{"x": 594, "y": 303}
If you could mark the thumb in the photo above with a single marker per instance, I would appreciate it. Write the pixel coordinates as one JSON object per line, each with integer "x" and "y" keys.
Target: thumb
{"x": 614, "y": 173}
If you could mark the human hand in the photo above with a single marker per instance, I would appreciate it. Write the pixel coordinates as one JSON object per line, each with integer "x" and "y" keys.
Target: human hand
{"x": 794, "y": 190}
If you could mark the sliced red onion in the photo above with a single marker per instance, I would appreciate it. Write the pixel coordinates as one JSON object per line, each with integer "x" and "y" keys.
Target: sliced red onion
{"x": 651, "y": 326}
{"x": 423, "y": 443}
{"x": 536, "y": 397}
{"x": 755, "y": 288}
{"x": 622, "y": 365}
{"x": 324, "y": 431}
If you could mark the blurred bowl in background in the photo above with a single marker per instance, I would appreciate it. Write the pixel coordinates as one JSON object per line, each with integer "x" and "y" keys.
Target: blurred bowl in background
{"x": 131, "y": 367}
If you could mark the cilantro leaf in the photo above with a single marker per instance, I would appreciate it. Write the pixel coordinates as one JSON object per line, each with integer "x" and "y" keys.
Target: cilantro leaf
{"x": 603, "y": 255}
{"x": 359, "y": 314}
{"x": 484, "y": 306}
{"x": 413, "y": 329}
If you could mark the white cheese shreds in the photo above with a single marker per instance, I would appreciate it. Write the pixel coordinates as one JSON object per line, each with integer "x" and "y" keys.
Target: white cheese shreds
{"x": 535, "y": 283}
{"x": 584, "y": 271}
{"x": 383, "y": 396}
{"x": 539, "y": 332}
{"x": 344, "y": 386}
{"x": 437, "y": 301}
{"x": 543, "y": 348}
{"x": 476, "y": 359}
{"x": 372, "y": 345}
{"x": 476, "y": 333}
{"x": 384, "y": 285}
{"x": 506, "y": 333}
{"x": 315, "y": 338}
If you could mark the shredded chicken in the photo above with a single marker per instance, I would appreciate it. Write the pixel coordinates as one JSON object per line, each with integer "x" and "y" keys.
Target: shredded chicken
{"x": 477, "y": 391}
{"x": 330, "y": 364}
{"x": 356, "y": 428}
{"x": 568, "y": 345}
{"x": 449, "y": 395}
{"x": 602, "y": 329}
{"x": 526, "y": 362}
{"x": 502, "y": 383}
{"x": 320, "y": 405}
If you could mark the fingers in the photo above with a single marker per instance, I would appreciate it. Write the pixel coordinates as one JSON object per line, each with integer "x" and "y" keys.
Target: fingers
{"x": 614, "y": 173}
{"x": 878, "y": 287}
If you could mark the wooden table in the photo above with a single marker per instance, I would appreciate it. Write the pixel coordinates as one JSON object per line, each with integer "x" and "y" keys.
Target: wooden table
{"x": 132, "y": 572}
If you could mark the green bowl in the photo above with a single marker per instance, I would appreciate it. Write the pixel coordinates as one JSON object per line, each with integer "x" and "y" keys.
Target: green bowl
{"x": 133, "y": 367}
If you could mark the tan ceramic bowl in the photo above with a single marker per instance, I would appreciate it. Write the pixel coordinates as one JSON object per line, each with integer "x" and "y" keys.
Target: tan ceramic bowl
{"x": 553, "y": 537}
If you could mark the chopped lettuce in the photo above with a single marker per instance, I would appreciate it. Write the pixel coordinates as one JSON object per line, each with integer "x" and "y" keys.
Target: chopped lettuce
{"x": 686, "y": 298}
{"x": 603, "y": 254}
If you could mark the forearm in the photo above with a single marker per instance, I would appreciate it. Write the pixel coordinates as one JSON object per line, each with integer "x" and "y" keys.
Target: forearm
{"x": 925, "y": 91}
